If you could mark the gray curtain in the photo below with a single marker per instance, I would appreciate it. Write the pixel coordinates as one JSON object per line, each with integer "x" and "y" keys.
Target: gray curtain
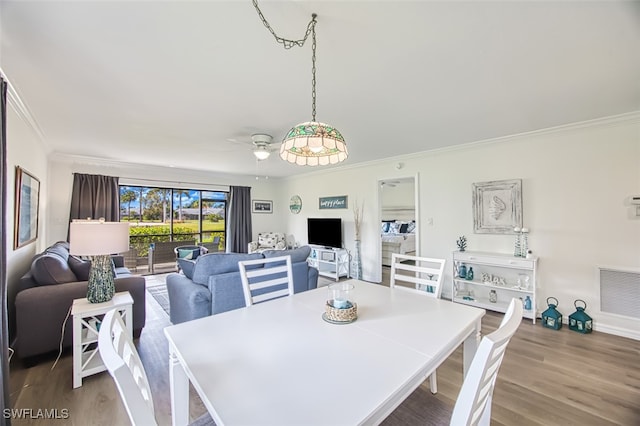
{"x": 95, "y": 196}
{"x": 5, "y": 402}
{"x": 239, "y": 220}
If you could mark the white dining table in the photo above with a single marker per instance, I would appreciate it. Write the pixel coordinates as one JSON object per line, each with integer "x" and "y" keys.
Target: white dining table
{"x": 279, "y": 363}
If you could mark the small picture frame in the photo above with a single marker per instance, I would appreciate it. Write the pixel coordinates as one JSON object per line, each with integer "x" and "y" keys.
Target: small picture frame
{"x": 497, "y": 206}
{"x": 262, "y": 206}
{"x": 27, "y": 197}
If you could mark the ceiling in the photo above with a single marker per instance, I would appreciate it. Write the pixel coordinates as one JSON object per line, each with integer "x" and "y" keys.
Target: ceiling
{"x": 186, "y": 83}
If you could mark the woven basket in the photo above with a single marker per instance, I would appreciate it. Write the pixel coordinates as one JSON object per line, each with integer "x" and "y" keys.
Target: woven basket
{"x": 341, "y": 315}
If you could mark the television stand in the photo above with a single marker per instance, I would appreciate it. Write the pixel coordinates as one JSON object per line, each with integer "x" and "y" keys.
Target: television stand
{"x": 330, "y": 262}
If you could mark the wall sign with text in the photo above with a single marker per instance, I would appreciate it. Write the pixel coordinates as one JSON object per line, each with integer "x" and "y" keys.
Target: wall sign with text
{"x": 337, "y": 202}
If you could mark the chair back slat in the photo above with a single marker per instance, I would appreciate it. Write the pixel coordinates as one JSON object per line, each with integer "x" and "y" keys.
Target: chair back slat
{"x": 121, "y": 358}
{"x": 266, "y": 279}
{"x": 426, "y": 274}
{"x": 473, "y": 405}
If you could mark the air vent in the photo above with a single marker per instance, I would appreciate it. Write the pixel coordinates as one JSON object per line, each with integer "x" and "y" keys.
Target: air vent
{"x": 620, "y": 292}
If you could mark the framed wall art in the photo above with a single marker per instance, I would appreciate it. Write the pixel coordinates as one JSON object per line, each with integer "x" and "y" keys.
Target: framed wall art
{"x": 26, "y": 208}
{"x": 497, "y": 206}
{"x": 262, "y": 206}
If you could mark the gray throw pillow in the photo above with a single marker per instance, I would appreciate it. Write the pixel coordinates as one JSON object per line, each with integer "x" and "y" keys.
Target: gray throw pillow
{"x": 80, "y": 267}
{"x": 51, "y": 269}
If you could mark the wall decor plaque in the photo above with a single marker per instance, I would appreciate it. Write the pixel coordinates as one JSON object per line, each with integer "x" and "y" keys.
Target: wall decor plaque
{"x": 295, "y": 204}
{"x": 497, "y": 206}
{"x": 336, "y": 202}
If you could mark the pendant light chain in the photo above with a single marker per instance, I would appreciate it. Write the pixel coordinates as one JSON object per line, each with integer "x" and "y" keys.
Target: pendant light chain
{"x": 313, "y": 71}
{"x": 288, "y": 44}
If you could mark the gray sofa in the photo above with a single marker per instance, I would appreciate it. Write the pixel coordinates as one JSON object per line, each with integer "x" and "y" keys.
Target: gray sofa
{"x": 211, "y": 284}
{"x": 47, "y": 291}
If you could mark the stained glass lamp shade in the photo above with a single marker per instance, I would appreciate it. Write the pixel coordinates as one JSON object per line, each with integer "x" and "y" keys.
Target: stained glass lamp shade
{"x": 313, "y": 144}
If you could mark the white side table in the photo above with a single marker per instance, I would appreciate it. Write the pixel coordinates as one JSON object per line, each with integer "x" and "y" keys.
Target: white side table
{"x": 86, "y": 359}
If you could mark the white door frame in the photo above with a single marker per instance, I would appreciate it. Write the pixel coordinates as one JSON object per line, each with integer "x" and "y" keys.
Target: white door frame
{"x": 416, "y": 186}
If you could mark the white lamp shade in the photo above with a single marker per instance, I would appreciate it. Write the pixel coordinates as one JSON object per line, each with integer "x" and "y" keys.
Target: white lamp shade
{"x": 94, "y": 238}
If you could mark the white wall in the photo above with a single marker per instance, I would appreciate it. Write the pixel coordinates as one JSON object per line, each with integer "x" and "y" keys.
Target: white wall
{"x": 576, "y": 184}
{"x": 24, "y": 149}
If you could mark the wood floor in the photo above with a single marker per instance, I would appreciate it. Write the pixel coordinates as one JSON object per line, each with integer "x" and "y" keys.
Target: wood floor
{"x": 547, "y": 377}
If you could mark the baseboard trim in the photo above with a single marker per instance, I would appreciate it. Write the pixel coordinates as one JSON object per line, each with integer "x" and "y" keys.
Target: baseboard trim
{"x": 618, "y": 331}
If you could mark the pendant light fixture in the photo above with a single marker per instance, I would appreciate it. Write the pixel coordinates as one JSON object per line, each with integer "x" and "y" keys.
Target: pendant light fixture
{"x": 311, "y": 143}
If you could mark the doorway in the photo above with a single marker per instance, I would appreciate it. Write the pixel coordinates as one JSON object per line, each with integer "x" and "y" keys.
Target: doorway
{"x": 399, "y": 218}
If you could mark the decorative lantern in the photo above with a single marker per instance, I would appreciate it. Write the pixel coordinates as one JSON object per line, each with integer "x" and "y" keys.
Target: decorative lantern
{"x": 341, "y": 307}
{"x": 579, "y": 320}
{"x": 551, "y": 318}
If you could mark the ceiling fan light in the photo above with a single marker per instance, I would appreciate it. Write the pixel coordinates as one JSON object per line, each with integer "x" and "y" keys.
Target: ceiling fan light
{"x": 261, "y": 153}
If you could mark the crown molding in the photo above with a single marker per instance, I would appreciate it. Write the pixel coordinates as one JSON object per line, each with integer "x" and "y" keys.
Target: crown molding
{"x": 137, "y": 171}
{"x": 21, "y": 109}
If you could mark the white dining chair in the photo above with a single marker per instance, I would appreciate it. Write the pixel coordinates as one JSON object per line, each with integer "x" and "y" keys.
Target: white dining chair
{"x": 266, "y": 279}
{"x": 473, "y": 406}
{"x": 123, "y": 362}
{"x": 121, "y": 358}
{"x": 424, "y": 275}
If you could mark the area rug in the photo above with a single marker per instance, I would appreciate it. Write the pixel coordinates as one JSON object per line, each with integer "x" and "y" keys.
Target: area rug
{"x": 159, "y": 293}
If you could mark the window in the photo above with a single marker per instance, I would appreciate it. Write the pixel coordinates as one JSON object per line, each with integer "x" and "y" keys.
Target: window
{"x": 169, "y": 214}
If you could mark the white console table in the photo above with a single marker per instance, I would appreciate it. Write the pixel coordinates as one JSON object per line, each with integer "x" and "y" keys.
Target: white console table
{"x": 330, "y": 262}
{"x": 512, "y": 277}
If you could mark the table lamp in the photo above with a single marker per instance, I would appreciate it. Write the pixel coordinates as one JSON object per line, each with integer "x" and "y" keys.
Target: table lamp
{"x": 98, "y": 240}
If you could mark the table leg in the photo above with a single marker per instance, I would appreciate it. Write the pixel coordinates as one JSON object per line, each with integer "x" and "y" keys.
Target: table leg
{"x": 179, "y": 383}
{"x": 470, "y": 346}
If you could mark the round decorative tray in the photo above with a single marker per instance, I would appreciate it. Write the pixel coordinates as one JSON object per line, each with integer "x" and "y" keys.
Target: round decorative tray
{"x": 340, "y": 316}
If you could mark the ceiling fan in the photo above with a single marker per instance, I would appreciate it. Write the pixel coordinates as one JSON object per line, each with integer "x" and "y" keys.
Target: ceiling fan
{"x": 262, "y": 143}
{"x": 262, "y": 146}
{"x": 390, "y": 183}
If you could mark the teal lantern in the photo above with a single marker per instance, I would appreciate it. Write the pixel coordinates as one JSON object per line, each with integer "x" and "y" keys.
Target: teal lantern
{"x": 579, "y": 320}
{"x": 551, "y": 318}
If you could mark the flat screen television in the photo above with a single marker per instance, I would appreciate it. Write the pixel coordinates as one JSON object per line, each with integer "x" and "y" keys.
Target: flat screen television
{"x": 325, "y": 232}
